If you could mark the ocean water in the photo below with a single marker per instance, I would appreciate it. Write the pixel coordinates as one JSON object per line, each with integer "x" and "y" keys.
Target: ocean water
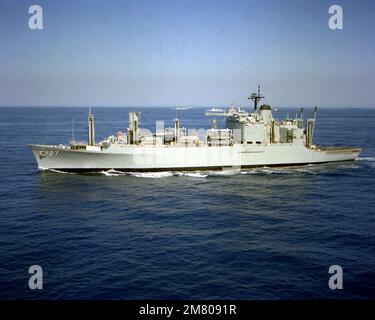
{"x": 254, "y": 234}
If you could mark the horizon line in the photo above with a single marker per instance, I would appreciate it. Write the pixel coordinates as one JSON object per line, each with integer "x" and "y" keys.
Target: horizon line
{"x": 173, "y": 106}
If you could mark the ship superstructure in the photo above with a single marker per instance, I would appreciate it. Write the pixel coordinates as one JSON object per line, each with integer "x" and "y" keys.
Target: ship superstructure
{"x": 250, "y": 139}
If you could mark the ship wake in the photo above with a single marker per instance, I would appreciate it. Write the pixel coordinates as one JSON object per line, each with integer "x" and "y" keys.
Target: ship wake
{"x": 310, "y": 169}
{"x": 368, "y": 159}
{"x": 154, "y": 175}
{"x": 55, "y": 171}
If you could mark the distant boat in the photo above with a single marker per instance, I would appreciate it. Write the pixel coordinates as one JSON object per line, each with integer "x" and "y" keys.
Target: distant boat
{"x": 215, "y": 110}
{"x": 183, "y": 108}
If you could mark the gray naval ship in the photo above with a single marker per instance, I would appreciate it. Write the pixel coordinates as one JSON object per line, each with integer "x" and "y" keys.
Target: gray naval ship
{"x": 250, "y": 139}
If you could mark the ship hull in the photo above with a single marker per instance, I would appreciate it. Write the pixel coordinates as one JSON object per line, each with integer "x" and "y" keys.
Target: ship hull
{"x": 164, "y": 158}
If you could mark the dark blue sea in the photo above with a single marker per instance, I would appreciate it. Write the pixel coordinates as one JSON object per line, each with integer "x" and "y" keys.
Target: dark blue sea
{"x": 258, "y": 234}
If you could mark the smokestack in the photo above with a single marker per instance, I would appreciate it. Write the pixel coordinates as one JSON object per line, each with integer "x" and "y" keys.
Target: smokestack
{"x": 310, "y": 128}
{"x": 176, "y": 130}
{"x": 272, "y": 133}
{"x": 133, "y": 128}
{"x": 91, "y": 129}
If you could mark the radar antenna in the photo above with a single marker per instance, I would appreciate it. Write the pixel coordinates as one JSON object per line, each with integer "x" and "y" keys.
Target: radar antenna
{"x": 256, "y": 98}
{"x": 73, "y": 138}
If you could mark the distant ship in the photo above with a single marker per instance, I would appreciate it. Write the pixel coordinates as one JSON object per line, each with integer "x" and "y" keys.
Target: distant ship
{"x": 249, "y": 139}
{"x": 214, "y": 111}
{"x": 183, "y": 108}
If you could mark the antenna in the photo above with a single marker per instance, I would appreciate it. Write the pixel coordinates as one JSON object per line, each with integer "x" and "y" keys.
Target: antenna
{"x": 73, "y": 130}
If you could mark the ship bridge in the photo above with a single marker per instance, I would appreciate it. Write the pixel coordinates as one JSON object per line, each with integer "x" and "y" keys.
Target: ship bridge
{"x": 259, "y": 127}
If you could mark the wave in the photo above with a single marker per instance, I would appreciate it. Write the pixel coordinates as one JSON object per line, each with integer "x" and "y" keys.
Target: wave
{"x": 370, "y": 159}
{"x": 56, "y": 171}
{"x": 116, "y": 173}
{"x": 267, "y": 170}
{"x": 225, "y": 172}
{"x": 113, "y": 173}
{"x": 193, "y": 174}
{"x": 153, "y": 175}
{"x": 310, "y": 169}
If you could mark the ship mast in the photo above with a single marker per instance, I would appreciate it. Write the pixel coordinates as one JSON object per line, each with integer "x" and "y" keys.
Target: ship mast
{"x": 256, "y": 97}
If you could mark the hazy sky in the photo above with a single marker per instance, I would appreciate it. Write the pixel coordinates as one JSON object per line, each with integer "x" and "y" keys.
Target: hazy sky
{"x": 193, "y": 52}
